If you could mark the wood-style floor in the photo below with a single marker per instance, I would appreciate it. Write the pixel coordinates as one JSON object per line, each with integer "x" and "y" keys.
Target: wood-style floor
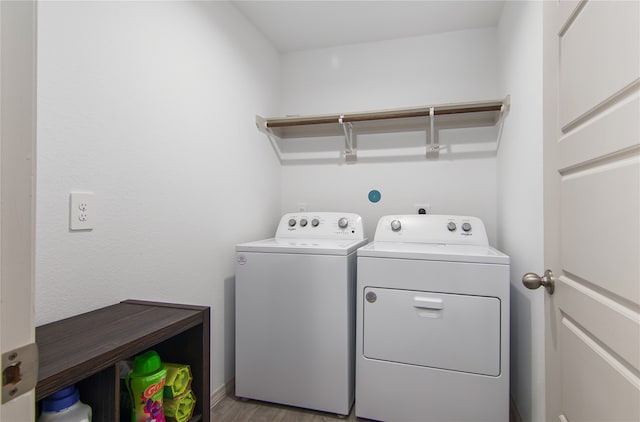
{"x": 233, "y": 409}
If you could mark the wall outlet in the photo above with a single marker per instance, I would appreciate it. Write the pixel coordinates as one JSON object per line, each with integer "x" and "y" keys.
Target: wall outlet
{"x": 301, "y": 206}
{"x": 81, "y": 210}
{"x": 422, "y": 208}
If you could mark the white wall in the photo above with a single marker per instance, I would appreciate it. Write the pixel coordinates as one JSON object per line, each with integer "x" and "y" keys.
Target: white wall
{"x": 150, "y": 105}
{"x": 520, "y": 217}
{"x": 444, "y": 68}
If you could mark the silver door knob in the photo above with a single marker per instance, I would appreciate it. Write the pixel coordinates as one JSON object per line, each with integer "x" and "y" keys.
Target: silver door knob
{"x": 533, "y": 281}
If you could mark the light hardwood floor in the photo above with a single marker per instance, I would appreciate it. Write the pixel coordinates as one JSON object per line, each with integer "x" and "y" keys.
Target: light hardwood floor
{"x": 233, "y": 409}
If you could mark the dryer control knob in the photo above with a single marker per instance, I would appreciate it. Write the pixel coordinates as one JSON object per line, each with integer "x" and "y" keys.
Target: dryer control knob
{"x": 315, "y": 222}
{"x": 451, "y": 226}
{"x": 303, "y": 222}
{"x": 466, "y": 227}
{"x": 343, "y": 223}
{"x": 396, "y": 226}
{"x": 292, "y": 222}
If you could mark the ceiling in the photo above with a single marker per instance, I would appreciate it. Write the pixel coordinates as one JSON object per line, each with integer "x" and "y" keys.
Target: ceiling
{"x": 304, "y": 25}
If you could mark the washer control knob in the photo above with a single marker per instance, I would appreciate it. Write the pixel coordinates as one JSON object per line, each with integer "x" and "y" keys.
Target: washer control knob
{"x": 343, "y": 223}
{"x": 451, "y": 226}
{"x": 396, "y": 226}
{"x": 466, "y": 227}
{"x": 315, "y": 222}
{"x": 303, "y": 222}
{"x": 292, "y": 222}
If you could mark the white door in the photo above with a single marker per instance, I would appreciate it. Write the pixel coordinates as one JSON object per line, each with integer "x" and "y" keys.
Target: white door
{"x": 17, "y": 158}
{"x": 592, "y": 209}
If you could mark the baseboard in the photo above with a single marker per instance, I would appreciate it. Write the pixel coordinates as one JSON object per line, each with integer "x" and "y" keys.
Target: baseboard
{"x": 227, "y": 389}
{"x": 514, "y": 415}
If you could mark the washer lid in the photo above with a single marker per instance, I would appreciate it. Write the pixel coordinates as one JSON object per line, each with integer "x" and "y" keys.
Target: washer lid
{"x": 302, "y": 246}
{"x": 434, "y": 252}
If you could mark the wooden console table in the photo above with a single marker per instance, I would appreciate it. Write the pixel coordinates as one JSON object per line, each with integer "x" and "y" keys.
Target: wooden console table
{"x": 87, "y": 349}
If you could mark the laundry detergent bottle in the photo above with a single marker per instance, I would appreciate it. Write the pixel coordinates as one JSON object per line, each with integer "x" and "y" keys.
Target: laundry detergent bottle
{"x": 65, "y": 406}
{"x": 145, "y": 383}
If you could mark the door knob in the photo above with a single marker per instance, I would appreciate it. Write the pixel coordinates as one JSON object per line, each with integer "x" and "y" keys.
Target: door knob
{"x": 533, "y": 281}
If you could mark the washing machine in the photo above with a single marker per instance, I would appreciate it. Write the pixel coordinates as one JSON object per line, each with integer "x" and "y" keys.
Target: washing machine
{"x": 432, "y": 336}
{"x": 295, "y": 312}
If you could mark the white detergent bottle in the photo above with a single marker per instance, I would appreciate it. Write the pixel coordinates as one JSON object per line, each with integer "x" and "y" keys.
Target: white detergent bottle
{"x": 65, "y": 406}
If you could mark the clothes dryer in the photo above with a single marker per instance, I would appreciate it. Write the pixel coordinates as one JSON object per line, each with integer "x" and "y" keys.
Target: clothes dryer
{"x": 432, "y": 322}
{"x": 295, "y": 312}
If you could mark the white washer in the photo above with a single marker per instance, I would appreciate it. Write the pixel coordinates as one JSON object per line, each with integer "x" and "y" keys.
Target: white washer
{"x": 432, "y": 322}
{"x": 295, "y": 312}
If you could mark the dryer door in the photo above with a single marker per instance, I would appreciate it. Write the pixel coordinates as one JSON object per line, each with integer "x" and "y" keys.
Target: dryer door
{"x": 446, "y": 331}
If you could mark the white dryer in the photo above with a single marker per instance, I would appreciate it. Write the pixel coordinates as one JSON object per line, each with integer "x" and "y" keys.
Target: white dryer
{"x": 432, "y": 322}
{"x": 295, "y": 312}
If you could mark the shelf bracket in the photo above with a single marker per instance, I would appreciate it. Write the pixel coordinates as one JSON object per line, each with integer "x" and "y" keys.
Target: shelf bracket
{"x": 350, "y": 153}
{"x": 261, "y": 124}
{"x": 274, "y": 143}
{"x": 433, "y": 150}
{"x": 503, "y": 111}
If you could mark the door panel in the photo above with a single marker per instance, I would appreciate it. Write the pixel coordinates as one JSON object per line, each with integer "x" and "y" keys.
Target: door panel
{"x": 600, "y": 225}
{"x": 599, "y": 56}
{"x": 567, "y": 9}
{"x": 597, "y": 314}
{"x": 592, "y": 141}
{"x": 607, "y": 391}
{"x": 592, "y": 209}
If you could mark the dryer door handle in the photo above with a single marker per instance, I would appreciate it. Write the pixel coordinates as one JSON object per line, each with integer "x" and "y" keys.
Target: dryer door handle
{"x": 428, "y": 302}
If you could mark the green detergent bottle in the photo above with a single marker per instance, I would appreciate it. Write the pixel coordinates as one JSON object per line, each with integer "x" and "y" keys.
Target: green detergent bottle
{"x": 145, "y": 383}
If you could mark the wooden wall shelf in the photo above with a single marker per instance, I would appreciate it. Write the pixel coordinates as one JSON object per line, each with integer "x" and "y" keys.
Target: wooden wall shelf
{"x": 445, "y": 116}
{"x": 87, "y": 350}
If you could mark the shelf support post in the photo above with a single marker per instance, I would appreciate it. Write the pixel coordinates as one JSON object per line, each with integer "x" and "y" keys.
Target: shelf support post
{"x": 350, "y": 153}
{"x": 433, "y": 150}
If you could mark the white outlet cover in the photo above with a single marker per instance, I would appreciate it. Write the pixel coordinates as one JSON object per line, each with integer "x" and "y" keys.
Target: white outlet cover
{"x": 82, "y": 210}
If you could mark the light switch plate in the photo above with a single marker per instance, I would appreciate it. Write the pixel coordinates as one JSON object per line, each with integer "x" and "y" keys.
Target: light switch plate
{"x": 82, "y": 211}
